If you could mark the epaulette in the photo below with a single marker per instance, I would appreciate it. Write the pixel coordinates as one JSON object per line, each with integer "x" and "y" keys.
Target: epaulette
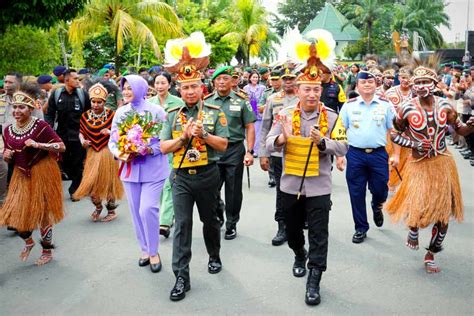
{"x": 209, "y": 95}
{"x": 383, "y": 98}
{"x": 173, "y": 109}
{"x": 351, "y": 100}
{"x": 215, "y": 107}
{"x": 329, "y": 109}
{"x": 241, "y": 94}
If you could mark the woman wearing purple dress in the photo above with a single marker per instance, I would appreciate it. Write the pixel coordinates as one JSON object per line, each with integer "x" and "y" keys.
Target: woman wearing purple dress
{"x": 255, "y": 92}
{"x": 143, "y": 176}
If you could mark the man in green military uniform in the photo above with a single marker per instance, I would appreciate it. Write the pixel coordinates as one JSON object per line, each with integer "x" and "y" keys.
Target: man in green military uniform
{"x": 241, "y": 120}
{"x": 264, "y": 74}
{"x": 194, "y": 133}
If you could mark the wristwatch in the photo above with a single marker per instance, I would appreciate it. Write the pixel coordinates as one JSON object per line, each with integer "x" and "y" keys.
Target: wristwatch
{"x": 251, "y": 151}
{"x": 205, "y": 134}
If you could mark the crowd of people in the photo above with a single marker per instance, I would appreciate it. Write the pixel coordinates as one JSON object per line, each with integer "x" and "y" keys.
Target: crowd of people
{"x": 388, "y": 126}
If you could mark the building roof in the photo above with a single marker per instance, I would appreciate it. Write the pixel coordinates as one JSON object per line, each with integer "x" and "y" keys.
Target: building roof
{"x": 332, "y": 20}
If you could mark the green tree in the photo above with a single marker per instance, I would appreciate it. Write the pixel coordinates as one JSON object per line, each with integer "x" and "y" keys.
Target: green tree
{"x": 29, "y": 50}
{"x": 40, "y": 13}
{"x": 423, "y": 17}
{"x": 249, "y": 29}
{"x": 140, "y": 22}
{"x": 210, "y": 19}
{"x": 365, "y": 13}
{"x": 296, "y": 12}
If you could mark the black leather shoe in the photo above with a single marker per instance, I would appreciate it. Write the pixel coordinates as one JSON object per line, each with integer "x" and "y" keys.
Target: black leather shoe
{"x": 312, "y": 296}
{"x": 299, "y": 266}
{"x": 272, "y": 183}
{"x": 143, "y": 262}
{"x": 155, "y": 267}
{"x": 215, "y": 265}
{"x": 378, "y": 215}
{"x": 230, "y": 234}
{"x": 179, "y": 290}
{"x": 378, "y": 218}
{"x": 358, "y": 237}
{"x": 280, "y": 237}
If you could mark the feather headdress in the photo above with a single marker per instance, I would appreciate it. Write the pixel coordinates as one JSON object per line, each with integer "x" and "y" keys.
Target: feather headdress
{"x": 187, "y": 56}
{"x": 316, "y": 50}
{"x": 426, "y": 69}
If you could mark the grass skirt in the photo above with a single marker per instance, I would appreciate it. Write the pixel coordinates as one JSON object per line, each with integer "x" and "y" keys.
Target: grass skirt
{"x": 35, "y": 201}
{"x": 430, "y": 192}
{"x": 100, "y": 177}
{"x": 394, "y": 179}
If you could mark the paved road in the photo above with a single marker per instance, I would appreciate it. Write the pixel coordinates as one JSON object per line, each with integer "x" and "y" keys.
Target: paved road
{"x": 95, "y": 268}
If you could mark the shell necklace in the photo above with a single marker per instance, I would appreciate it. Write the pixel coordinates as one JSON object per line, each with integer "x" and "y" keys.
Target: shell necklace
{"x": 21, "y": 130}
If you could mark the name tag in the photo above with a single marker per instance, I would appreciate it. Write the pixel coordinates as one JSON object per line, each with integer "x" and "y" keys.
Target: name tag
{"x": 234, "y": 108}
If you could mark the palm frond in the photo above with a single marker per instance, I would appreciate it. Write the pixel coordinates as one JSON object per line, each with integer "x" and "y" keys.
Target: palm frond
{"x": 122, "y": 28}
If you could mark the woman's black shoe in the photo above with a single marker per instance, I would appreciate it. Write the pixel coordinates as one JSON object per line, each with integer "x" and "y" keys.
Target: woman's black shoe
{"x": 156, "y": 267}
{"x": 143, "y": 262}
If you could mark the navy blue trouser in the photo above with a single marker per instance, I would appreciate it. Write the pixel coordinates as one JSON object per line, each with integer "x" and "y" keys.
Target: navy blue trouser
{"x": 362, "y": 169}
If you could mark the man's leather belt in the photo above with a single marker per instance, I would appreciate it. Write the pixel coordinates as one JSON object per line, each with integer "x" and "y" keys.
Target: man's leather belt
{"x": 200, "y": 169}
{"x": 368, "y": 150}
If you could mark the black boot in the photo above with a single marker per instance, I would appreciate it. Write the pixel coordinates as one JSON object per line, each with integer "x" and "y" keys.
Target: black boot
{"x": 299, "y": 267}
{"x": 280, "y": 237}
{"x": 312, "y": 296}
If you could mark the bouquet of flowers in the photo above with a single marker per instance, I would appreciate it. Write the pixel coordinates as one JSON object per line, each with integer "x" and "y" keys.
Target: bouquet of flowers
{"x": 136, "y": 132}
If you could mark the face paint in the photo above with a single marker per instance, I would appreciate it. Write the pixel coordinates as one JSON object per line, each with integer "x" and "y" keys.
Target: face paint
{"x": 424, "y": 89}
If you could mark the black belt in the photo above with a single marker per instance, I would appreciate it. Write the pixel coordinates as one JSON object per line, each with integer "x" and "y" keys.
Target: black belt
{"x": 368, "y": 150}
{"x": 198, "y": 169}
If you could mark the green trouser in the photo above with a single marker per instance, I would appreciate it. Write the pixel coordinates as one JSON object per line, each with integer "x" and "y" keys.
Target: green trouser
{"x": 166, "y": 209}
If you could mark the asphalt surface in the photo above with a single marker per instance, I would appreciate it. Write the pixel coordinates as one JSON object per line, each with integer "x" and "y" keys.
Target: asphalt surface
{"x": 95, "y": 269}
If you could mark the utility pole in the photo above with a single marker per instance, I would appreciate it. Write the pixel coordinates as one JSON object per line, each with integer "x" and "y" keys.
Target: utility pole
{"x": 467, "y": 27}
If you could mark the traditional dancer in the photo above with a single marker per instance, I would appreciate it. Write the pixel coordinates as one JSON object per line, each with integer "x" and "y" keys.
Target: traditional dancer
{"x": 401, "y": 93}
{"x": 100, "y": 179}
{"x": 430, "y": 192}
{"x": 397, "y": 96}
{"x": 143, "y": 175}
{"x": 387, "y": 77}
{"x": 35, "y": 196}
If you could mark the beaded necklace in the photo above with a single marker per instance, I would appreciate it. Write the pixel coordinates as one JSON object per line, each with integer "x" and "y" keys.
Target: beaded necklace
{"x": 97, "y": 119}
{"x": 25, "y": 128}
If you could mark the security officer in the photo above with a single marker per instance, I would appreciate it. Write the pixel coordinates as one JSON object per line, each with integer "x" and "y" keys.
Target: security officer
{"x": 231, "y": 164}
{"x": 236, "y": 79}
{"x": 275, "y": 86}
{"x": 278, "y": 101}
{"x": 367, "y": 120}
{"x": 195, "y": 176}
{"x": 333, "y": 95}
